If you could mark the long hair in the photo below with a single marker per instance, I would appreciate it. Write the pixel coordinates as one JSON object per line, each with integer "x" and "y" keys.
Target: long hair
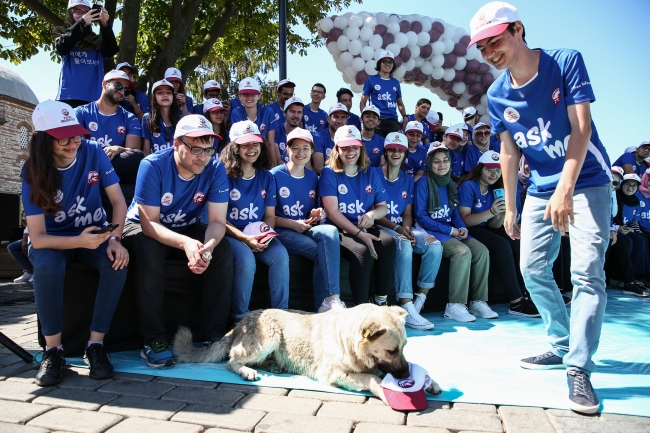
{"x": 335, "y": 162}
{"x": 475, "y": 174}
{"x": 232, "y": 162}
{"x": 225, "y": 127}
{"x": 153, "y": 121}
{"x": 41, "y": 174}
{"x": 402, "y": 166}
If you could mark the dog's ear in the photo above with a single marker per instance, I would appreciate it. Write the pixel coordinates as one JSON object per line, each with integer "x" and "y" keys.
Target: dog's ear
{"x": 399, "y": 311}
{"x": 371, "y": 329}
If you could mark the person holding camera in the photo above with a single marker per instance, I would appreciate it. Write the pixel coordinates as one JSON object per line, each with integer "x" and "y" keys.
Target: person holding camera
{"x": 134, "y": 101}
{"x": 82, "y": 52}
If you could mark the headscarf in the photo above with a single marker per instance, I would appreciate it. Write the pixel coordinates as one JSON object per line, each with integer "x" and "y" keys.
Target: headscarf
{"x": 643, "y": 189}
{"x": 434, "y": 181}
{"x": 91, "y": 42}
{"x": 624, "y": 200}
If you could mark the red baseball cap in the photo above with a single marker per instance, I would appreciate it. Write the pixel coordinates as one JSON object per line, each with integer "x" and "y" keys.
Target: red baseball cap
{"x": 407, "y": 394}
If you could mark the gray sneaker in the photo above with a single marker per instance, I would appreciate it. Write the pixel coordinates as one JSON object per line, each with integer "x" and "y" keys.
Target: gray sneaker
{"x": 582, "y": 397}
{"x": 545, "y": 361}
{"x": 418, "y": 301}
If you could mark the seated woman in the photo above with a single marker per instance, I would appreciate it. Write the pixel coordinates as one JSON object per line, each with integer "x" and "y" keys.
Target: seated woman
{"x": 295, "y": 216}
{"x": 483, "y": 214}
{"x": 252, "y": 200}
{"x": 349, "y": 191}
{"x": 62, "y": 172}
{"x": 398, "y": 222}
{"x": 158, "y": 126}
{"x": 436, "y": 213}
{"x": 215, "y": 112}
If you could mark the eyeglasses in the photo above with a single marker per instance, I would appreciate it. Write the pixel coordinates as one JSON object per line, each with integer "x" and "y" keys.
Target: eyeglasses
{"x": 79, "y": 11}
{"x": 482, "y": 133}
{"x": 196, "y": 150}
{"x": 317, "y": 92}
{"x": 493, "y": 170}
{"x": 387, "y": 62}
{"x": 66, "y": 141}
{"x": 630, "y": 185}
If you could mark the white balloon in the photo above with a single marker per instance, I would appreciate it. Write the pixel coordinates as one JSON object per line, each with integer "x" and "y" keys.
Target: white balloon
{"x": 363, "y": 15}
{"x": 346, "y": 59}
{"x": 484, "y": 99}
{"x": 419, "y": 61}
{"x": 481, "y": 109}
{"x": 437, "y": 73}
{"x": 370, "y": 22}
{"x": 352, "y": 33}
{"x": 449, "y": 74}
{"x": 356, "y": 88}
{"x": 409, "y": 65}
{"x": 381, "y": 18}
{"x": 326, "y": 24}
{"x": 415, "y": 51}
{"x": 355, "y": 21}
{"x": 378, "y": 54}
{"x": 444, "y": 97}
{"x": 460, "y": 63}
{"x": 459, "y": 87}
{"x": 340, "y": 66}
{"x": 393, "y": 28}
{"x": 393, "y": 19}
{"x": 423, "y": 38}
{"x": 358, "y": 64}
{"x": 426, "y": 24}
{"x": 438, "y": 60}
{"x": 399, "y": 72}
{"x": 473, "y": 53}
{"x": 408, "y": 18}
{"x": 438, "y": 47}
{"x": 449, "y": 31}
{"x": 343, "y": 42}
{"x": 333, "y": 49}
{"x": 401, "y": 40}
{"x": 366, "y": 33}
{"x": 416, "y": 17}
{"x": 464, "y": 102}
{"x": 460, "y": 32}
{"x": 347, "y": 79}
{"x": 367, "y": 53}
{"x": 355, "y": 46}
{"x": 351, "y": 72}
{"x": 412, "y": 38}
{"x": 449, "y": 46}
{"x": 375, "y": 42}
{"x": 485, "y": 119}
{"x": 426, "y": 68}
{"x": 394, "y": 48}
{"x": 341, "y": 22}
{"x": 370, "y": 67}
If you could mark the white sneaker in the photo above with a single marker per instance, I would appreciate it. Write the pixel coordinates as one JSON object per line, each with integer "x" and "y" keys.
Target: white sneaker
{"x": 482, "y": 309}
{"x": 418, "y": 301}
{"x": 459, "y": 313}
{"x": 24, "y": 278}
{"x": 333, "y": 304}
{"x": 414, "y": 320}
{"x": 31, "y": 280}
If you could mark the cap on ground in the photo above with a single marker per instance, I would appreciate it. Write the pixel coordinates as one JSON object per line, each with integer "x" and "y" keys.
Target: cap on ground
{"x": 414, "y": 125}
{"x": 245, "y": 132}
{"x": 173, "y": 74}
{"x": 293, "y": 100}
{"x": 162, "y": 82}
{"x": 211, "y": 85}
{"x": 212, "y": 105}
{"x": 469, "y": 112}
{"x": 194, "y": 125}
{"x": 490, "y": 159}
{"x": 57, "y": 119}
{"x": 491, "y": 20}
{"x": 249, "y": 85}
{"x": 286, "y": 82}
{"x": 300, "y": 133}
{"x": 371, "y": 108}
{"x": 337, "y": 107}
{"x": 396, "y": 140}
{"x": 119, "y": 75}
{"x": 408, "y": 393}
{"x": 347, "y": 135}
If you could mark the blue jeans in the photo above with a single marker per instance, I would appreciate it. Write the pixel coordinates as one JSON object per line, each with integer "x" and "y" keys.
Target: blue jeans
{"x": 576, "y": 340}
{"x": 275, "y": 257}
{"x": 49, "y": 277}
{"x": 431, "y": 255}
{"x": 16, "y": 251}
{"x": 321, "y": 245}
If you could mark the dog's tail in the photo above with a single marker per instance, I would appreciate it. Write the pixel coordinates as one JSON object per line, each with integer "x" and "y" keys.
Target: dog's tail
{"x": 185, "y": 351}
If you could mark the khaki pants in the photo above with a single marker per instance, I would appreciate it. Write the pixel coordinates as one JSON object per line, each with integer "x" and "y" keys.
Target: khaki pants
{"x": 470, "y": 264}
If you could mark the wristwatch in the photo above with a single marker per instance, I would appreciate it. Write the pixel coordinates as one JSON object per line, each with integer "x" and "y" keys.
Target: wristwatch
{"x": 116, "y": 239}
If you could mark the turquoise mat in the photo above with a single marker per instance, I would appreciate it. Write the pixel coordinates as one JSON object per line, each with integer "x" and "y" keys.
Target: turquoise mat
{"x": 479, "y": 362}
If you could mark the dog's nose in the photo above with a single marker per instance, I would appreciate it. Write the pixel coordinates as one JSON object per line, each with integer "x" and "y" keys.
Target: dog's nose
{"x": 402, "y": 373}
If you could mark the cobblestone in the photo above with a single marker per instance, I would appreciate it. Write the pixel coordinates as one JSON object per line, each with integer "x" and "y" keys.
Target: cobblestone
{"x": 219, "y": 416}
{"x": 132, "y": 425}
{"x": 370, "y": 413}
{"x": 290, "y": 423}
{"x": 143, "y": 408}
{"x": 204, "y": 396}
{"x": 18, "y": 412}
{"x": 274, "y": 403}
{"x": 74, "y": 420}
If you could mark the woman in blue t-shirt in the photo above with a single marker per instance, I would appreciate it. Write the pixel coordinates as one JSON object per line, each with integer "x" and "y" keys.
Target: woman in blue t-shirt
{"x": 158, "y": 126}
{"x": 354, "y": 197}
{"x": 62, "y": 180}
{"x": 252, "y": 199}
{"x": 483, "y": 215}
{"x": 436, "y": 212}
{"x": 398, "y": 222}
{"x": 215, "y": 112}
{"x": 297, "y": 216}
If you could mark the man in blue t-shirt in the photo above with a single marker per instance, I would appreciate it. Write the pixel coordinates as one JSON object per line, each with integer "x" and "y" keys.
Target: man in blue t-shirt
{"x": 324, "y": 140}
{"x": 293, "y": 115}
{"x": 452, "y": 138}
{"x": 470, "y": 116}
{"x": 174, "y": 187}
{"x": 633, "y": 160}
{"x": 285, "y": 91}
{"x": 372, "y": 142}
{"x": 135, "y": 102}
{"x": 422, "y": 109}
{"x": 344, "y": 96}
{"x": 540, "y": 106}
{"x": 211, "y": 90}
{"x": 315, "y": 119}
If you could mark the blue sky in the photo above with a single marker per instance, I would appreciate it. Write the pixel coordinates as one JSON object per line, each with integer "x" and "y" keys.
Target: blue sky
{"x": 612, "y": 38}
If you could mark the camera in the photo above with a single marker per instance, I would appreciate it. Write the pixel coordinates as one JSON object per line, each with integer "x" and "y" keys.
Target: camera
{"x": 127, "y": 92}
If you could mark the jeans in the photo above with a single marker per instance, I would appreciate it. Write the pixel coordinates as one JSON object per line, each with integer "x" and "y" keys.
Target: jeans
{"x": 275, "y": 257}
{"x": 320, "y": 244}
{"x": 431, "y": 255}
{"x": 49, "y": 279}
{"x": 576, "y": 340}
{"x": 16, "y": 251}
{"x": 469, "y": 265}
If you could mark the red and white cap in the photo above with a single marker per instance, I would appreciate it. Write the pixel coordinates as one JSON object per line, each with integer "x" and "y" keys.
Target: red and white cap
{"x": 371, "y": 108}
{"x": 619, "y": 170}
{"x": 407, "y": 394}
{"x": 260, "y": 228}
{"x": 455, "y": 131}
{"x": 173, "y": 74}
{"x": 436, "y": 145}
{"x": 293, "y": 100}
{"x": 386, "y": 55}
{"x": 480, "y": 125}
{"x": 125, "y": 65}
{"x": 162, "y": 82}
{"x": 469, "y": 112}
{"x": 347, "y": 135}
{"x": 414, "y": 125}
{"x": 395, "y": 140}
{"x": 194, "y": 125}
{"x": 300, "y": 133}
{"x": 119, "y": 75}
{"x": 631, "y": 176}
{"x": 212, "y": 105}
{"x": 491, "y": 20}
{"x": 211, "y": 85}
{"x": 463, "y": 126}
{"x": 249, "y": 85}
{"x": 644, "y": 143}
{"x": 245, "y": 132}
{"x": 630, "y": 149}
{"x": 337, "y": 107}
{"x": 432, "y": 117}
{"x": 57, "y": 119}
{"x": 490, "y": 159}
{"x": 286, "y": 82}
{"x": 73, "y": 3}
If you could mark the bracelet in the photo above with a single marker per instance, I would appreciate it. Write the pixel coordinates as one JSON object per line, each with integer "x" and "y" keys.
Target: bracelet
{"x": 396, "y": 227}
{"x": 357, "y": 235}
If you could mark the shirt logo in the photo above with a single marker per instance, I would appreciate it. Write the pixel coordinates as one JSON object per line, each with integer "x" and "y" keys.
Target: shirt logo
{"x": 478, "y": 204}
{"x": 305, "y": 117}
{"x": 343, "y": 189}
{"x": 395, "y": 89}
{"x": 58, "y": 197}
{"x": 198, "y": 197}
{"x": 92, "y": 126}
{"x": 556, "y": 96}
{"x": 263, "y": 194}
{"x": 121, "y": 130}
{"x": 641, "y": 203}
{"x": 312, "y": 194}
{"x": 377, "y": 87}
{"x": 284, "y": 192}
{"x": 375, "y": 150}
{"x": 328, "y": 152}
{"x": 93, "y": 177}
{"x": 368, "y": 189}
{"x": 235, "y": 194}
{"x": 156, "y": 134}
{"x": 322, "y": 122}
{"x": 511, "y": 115}
{"x": 167, "y": 199}
{"x": 406, "y": 383}
{"x": 404, "y": 195}
{"x": 263, "y": 127}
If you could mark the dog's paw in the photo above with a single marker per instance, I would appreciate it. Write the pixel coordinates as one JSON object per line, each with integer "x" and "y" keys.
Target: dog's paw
{"x": 272, "y": 367}
{"x": 434, "y": 388}
{"x": 248, "y": 373}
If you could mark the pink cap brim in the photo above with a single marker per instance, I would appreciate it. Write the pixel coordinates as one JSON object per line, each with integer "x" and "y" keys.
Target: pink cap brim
{"x": 416, "y": 400}
{"x": 68, "y": 131}
{"x": 202, "y": 134}
{"x": 492, "y": 165}
{"x": 215, "y": 109}
{"x": 249, "y": 91}
{"x": 249, "y": 138}
{"x": 307, "y": 139}
{"x": 395, "y": 146}
{"x": 455, "y": 135}
{"x": 413, "y": 130}
{"x": 349, "y": 143}
{"x": 488, "y": 33}
{"x": 170, "y": 79}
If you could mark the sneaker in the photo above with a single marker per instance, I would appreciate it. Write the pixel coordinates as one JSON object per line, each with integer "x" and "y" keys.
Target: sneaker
{"x": 545, "y": 361}
{"x": 100, "y": 367}
{"x": 372, "y": 300}
{"x": 524, "y": 308}
{"x": 31, "y": 280}
{"x": 51, "y": 370}
{"x": 636, "y": 290}
{"x": 459, "y": 313}
{"x": 26, "y": 277}
{"x": 418, "y": 301}
{"x": 618, "y": 284}
{"x": 482, "y": 309}
{"x": 582, "y": 397}
{"x": 414, "y": 320}
{"x": 333, "y": 304}
{"x": 158, "y": 355}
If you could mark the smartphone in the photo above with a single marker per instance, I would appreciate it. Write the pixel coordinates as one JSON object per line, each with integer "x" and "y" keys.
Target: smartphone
{"x": 266, "y": 239}
{"x": 499, "y": 193}
{"x": 97, "y": 7}
{"x": 108, "y": 228}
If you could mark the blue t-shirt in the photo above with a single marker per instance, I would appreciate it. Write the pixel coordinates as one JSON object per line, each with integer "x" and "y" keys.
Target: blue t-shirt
{"x": 324, "y": 143}
{"x": 400, "y": 194}
{"x": 281, "y": 142}
{"x": 234, "y": 104}
{"x": 159, "y": 140}
{"x": 470, "y": 195}
{"x": 457, "y": 162}
{"x": 82, "y": 73}
{"x": 141, "y": 99}
{"x": 354, "y": 120}
{"x": 296, "y": 196}
{"x": 441, "y": 223}
{"x": 374, "y": 148}
{"x": 470, "y": 141}
{"x": 644, "y": 217}
{"x": 631, "y": 213}
{"x": 630, "y": 158}
{"x": 383, "y": 93}
{"x": 265, "y": 119}
{"x": 416, "y": 160}
{"x": 536, "y": 116}
{"x": 189, "y": 103}
{"x": 426, "y": 131}
{"x": 108, "y": 130}
{"x": 356, "y": 194}
{"x": 180, "y": 201}
{"x": 473, "y": 154}
{"x": 314, "y": 121}
{"x": 277, "y": 115}
{"x": 79, "y": 196}
{"x": 249, "y": 198}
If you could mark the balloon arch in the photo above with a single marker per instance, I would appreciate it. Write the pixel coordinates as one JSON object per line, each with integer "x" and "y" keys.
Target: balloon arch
{"x": 428, "y": 53}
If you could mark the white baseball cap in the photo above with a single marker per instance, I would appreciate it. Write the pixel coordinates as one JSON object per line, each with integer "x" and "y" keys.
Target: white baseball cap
{"x": 194, "y": 125}
{"x": 490, "y": 159}
{"x": 245, "y": 132}
{"x": 286, "y": 82}
{"x": 480, "y": 125}
{"x": 414, "y": 125}
{"x": 57, "y": 119}
{"x": 162, "y": 82}
{"x": 249, "y": 85}
{"x": 73, "y": 3}
{"x": 619, "y": 170}
{"x": 347, "y": 135}
{"x": 455, "y": 130}
{"x": 630, "y": 149}
{"x": 395, "y": 140}
{"x": 372, "y": 109}
{"x": 631, "y": 176}
{"x": 211, "y": 85}
{"x": 469, "y": 112}
{"x": 337, "y": 107}
{"x": 436, "y": 145}
{"x": 293, "y": 100}
{"x": 300, "y": 133}
{"x": 462, "y": 126}
{"x": 125, "y": 65}
{"x": 491, "y": 20}
{"x": 212, "y": 105}
{"x": 385, "y": 54}
{"x": 644, "y": 143}
{"x": 432, "y": 117}
{"x": 173, "y": 74}
{"x": 260, "y": 228}
{"x": 119, "y": 75}
{"x": 408, "y": 393}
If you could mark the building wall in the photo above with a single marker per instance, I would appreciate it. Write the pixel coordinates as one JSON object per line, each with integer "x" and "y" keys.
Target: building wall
{"x": 14, "y": 141}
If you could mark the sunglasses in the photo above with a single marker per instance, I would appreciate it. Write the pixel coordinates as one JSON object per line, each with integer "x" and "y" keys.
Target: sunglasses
{"x": 482, "y": 133}
{"x": 387, "y": 62}
{"x": 118, "y": 87}
{"x": 196, "y": 150}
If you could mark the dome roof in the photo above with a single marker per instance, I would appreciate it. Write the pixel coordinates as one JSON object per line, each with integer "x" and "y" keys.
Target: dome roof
{"x": 12, "y": 85}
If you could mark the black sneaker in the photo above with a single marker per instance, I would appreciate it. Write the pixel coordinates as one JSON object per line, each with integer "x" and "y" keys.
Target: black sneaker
{"x": 582, "y": 397}
{"x": 100, "y": 367}
{"x": 525, "y": 308}
{"x": 372, "y": 300}
{"x": 51, "y": 370}
{"x": 636, "y": 289}
{"x": 545, "y": 361}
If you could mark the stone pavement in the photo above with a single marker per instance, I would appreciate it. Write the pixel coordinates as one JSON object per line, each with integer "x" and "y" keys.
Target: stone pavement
{"x": 137, "y": 403}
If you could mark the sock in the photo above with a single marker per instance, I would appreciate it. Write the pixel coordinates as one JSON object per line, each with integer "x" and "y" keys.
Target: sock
{"x": 59, "y": 347}
{"x": 94, "y": 342}
{"x": 380, "y": 299}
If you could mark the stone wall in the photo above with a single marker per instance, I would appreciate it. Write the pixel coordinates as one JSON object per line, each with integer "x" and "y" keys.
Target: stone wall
{"x": 14, "y": 141}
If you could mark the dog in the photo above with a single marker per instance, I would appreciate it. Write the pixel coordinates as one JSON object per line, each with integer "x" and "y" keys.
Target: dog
{"x": 348, "y": 348}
